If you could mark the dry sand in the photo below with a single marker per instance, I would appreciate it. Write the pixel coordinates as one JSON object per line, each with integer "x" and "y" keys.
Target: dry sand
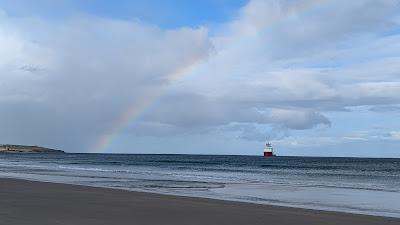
{"x": 39, "y": 203}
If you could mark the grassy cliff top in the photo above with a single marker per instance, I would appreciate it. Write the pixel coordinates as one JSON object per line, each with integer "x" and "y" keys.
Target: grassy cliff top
{"x": 27, "y": 149}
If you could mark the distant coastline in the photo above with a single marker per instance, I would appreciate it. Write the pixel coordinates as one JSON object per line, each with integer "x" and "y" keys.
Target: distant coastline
{"x": 27, "y": 149}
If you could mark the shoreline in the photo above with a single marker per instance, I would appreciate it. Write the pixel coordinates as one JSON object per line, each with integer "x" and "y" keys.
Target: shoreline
{"x": 285, "y": 205}
{"x": 59, "y": 203}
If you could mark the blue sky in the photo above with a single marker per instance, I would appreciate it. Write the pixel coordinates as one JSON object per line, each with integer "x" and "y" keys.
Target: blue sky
{"x": 207, "y": 77}
{"x": 166, "y": 14}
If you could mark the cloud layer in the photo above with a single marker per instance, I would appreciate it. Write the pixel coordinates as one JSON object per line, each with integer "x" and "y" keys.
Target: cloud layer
{"x": 278, "y": 67}
{"x": 71, "y": 80}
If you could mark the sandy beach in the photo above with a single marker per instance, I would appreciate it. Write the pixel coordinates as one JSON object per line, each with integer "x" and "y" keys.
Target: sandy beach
{"x": 39, "y": 203}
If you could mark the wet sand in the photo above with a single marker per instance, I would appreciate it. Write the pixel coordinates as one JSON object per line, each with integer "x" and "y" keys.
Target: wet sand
{"x": 39, "y": 203}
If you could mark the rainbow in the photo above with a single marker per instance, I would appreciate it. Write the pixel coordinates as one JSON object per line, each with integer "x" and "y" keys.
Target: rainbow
{"x": 139, "y": 108}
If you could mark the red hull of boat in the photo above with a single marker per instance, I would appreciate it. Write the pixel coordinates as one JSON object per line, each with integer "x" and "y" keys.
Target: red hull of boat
{"x": 268, "y": 154}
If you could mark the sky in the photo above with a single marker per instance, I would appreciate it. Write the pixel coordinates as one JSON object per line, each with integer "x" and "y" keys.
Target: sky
{"x": 314, "y": 77}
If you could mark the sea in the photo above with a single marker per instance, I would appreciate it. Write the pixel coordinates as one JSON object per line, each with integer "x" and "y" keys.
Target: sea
{"x": 356, "y": 185}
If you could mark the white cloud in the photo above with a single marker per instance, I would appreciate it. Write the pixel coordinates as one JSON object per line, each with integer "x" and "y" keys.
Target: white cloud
{"x": 75, "y": 77}
{"x": 307, "y": 142}
{"x": 298, "y": 60}
{"x": 395, "y": 135}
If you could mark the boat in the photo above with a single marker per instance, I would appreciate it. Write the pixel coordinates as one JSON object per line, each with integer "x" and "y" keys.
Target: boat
{"x": 268, "y": 150}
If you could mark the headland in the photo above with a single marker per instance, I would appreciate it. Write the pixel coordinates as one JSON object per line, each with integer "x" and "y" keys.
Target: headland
{"x": 26, "y": 149}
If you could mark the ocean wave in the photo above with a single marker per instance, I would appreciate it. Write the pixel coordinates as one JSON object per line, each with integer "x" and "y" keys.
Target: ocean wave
{"x": 93, "y": 169}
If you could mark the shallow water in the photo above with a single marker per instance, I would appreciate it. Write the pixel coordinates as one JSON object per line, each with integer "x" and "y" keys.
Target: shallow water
{"x": 367, "y": 186}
